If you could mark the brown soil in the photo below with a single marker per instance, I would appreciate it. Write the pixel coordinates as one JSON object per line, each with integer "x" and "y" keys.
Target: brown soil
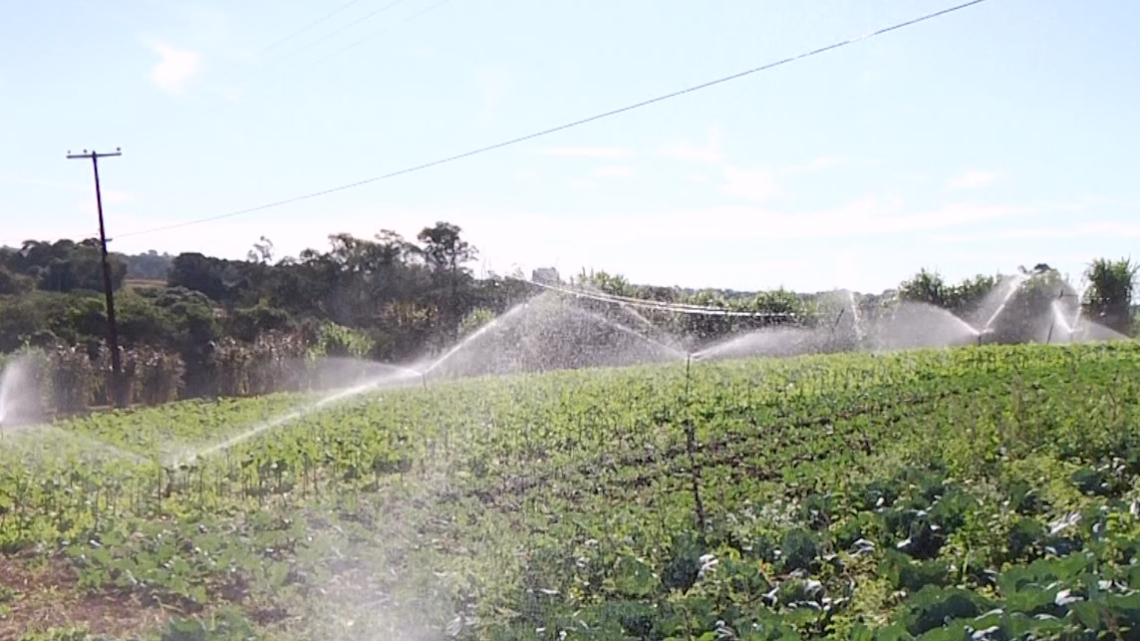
{"x": 41, "y": 595}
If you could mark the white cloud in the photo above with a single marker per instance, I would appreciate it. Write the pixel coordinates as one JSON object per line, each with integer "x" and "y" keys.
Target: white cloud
{"x": 502, "y": 236}
{"x": 175, "y": 68}
{"x": 817, "y": 164}
{"x": 687, "y": 151}
{"x": 753, "y": 184}
{"x": 950, "y": 215}
{"x": 117, "y": 197}
{"x": 110, "y": 196}
{"x": 493, "y": 85}
{"x": 826, "y": 161}
{"x": 974, "y": 178}
{"x": 1113, "y": 202}
{"x": 642, "y": 244}
{"x": 208, "y": 24}
{"x": 865, "y": 217}
{"x": 421, "y": 51}
{"x": 589, "y": 152}
{"x": 1114, "y": 229}
{"x": 290, "y": 235}
{"x": 614, "y": 171}
{"x": 36, "y": 182}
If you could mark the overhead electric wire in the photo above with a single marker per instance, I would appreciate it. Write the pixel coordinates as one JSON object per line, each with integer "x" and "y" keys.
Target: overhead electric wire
{"x": 376, "y": 35}
{"x": 327, "y": 36}
{"x": 405, "y": 21}
{"x": 563, "y": 127}
{"x": 295, "y": 34}
{"x": 306, "y": 28}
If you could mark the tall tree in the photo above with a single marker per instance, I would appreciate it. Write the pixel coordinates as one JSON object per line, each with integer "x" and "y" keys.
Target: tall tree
{"x": 925, "y": 287}
{"x": 444, "y": 250}
{"x": 198, "y": 272}
{"x": 12, "y": 284}
{"x": 1109, "y": 296}
{"x": 446, "y": 254}
{"x": 393, "y": 248}
{"x": 148, "y": 266}
{"x": 261, "y": 252}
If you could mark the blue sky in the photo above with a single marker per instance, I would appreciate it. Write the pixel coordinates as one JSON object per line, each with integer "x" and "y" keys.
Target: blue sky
{"x": 1000, "y": 135}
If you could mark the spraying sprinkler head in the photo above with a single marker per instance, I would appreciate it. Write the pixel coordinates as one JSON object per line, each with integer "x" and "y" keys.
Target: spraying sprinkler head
{"x": 986, "y": 335}
{"x": 838, "y": 317}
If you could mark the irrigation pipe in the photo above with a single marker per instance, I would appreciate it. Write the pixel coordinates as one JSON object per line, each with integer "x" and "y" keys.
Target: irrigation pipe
{"x": 680, "y": 308}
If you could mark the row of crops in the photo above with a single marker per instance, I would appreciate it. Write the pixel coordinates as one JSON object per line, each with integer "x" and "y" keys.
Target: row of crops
{"x": 985, "y": 493}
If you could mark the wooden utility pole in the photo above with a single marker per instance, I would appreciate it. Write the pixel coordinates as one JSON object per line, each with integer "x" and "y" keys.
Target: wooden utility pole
{"x": 112, "y": 326}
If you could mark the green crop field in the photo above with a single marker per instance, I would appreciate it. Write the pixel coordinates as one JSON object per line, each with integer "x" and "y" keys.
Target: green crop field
{"x": 984, "y": 493}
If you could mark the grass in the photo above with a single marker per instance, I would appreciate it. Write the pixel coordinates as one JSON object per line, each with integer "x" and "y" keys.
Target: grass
{"x": 849, "y": 496}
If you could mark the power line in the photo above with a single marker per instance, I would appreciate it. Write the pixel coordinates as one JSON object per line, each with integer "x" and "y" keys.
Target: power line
{"x": 410, "y": 18}
{"x": 305, "y": 28}
{"x": 376, "y": 35}
{"x": 329, "y": 35}
{"x": 570, "y": 125}
{"x": 295, "y": 34}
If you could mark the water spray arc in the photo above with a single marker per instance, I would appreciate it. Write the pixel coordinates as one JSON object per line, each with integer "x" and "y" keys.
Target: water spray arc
{"x": 191, "y": 457}
{"x": 1080, "y": 297}
{"x": 1012, "y": 285}
{"x": 910, "y": 325}
{"x": 17, "y": 387}
{"x": 1055, "y": 309}
{"x": 640, "y": 303}
{"x": 858, "y": 324}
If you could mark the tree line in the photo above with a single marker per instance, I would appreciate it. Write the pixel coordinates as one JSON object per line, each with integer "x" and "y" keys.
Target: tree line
{"x": 211, "y": 326}
{"x": 1106, "y": 298}
{"x": 194, "y": 325}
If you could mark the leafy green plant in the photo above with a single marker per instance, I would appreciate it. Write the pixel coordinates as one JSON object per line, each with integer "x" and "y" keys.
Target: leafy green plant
{"x": 847, "y": 496}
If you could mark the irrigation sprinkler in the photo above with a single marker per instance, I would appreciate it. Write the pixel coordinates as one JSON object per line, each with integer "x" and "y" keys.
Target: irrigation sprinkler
{"x": 1058, "y": 312}
{"x": 1053, "y": 323}
{"x": 691, "y": 447}
{"x": 688, "y": 366}
{"x": 838, "y": 317}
